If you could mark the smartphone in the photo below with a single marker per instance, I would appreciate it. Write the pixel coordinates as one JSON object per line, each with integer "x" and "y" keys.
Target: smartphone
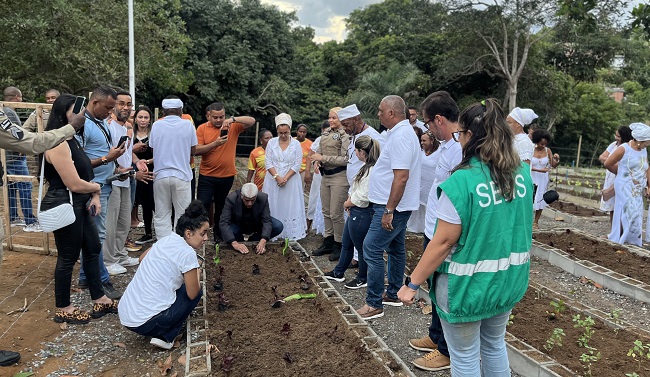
{"x": 79, "y": 103}
{"x": 93, "y": 210}
{"x": 122, "y": 140}
{"x": 224, "y": 132}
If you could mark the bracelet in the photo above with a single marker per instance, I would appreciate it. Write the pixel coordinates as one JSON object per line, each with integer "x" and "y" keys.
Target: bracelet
{"x": 413, "y": 286}
{"x": 276, "y": 176}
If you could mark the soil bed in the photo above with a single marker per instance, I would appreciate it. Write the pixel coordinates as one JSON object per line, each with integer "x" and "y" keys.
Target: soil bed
{"x": 306, "y": 337}
{"x": 533, "y": 325}
{"x": 615, "y": 257}
{"x": 574, "y": 209}
{"x": 414, "y": 251}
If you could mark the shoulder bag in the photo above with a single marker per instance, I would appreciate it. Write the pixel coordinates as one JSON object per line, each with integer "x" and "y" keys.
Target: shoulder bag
{"x": 55, "y": 209}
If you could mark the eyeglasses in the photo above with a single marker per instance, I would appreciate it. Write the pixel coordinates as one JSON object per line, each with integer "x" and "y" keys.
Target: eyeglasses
{"x": 456, "y": 135}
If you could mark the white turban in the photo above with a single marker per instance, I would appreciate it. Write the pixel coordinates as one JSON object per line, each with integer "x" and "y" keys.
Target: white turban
{"x": 348, "y": 112}
{"x": 172, "y": 103}
{"x": 249, "y": 190}
{"x": 640, "y": 132}
{"x": 523, "y": 116}
{"x": 283, "y": 119}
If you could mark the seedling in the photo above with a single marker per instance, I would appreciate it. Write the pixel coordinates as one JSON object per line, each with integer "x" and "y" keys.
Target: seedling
{"x": 287, "y": 357}
{"x": 555, "y": 339}
{"x": 586, "y": 324}
{"x": 588, "y": 358}
{"x": 217, "y": 260}
{"x": 286, "y": 246}
{"x": 638, "y": 352}
{"x": 510, "y": 320}
{"x": 557, "y": 307}
{"x": 615, "y": 316}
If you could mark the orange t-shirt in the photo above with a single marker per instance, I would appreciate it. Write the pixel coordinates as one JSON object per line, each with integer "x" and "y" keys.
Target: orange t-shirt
{"x": 219, "y": 162}
{"x": 256, "y": 162}
{"x": 306, "y": 147}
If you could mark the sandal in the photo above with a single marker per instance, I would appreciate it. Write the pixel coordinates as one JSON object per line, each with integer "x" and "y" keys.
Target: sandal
{"x": 99, "y": 309}
{"x": 77, "y": 317}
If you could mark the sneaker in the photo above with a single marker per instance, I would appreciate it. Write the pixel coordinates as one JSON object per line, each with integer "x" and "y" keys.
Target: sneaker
{"x": 432, "y": 361}
{"x": 77, "y": 317}
{"x": 34, "y": 227}
{"x": 144, "y": 239}
{"x": 391, "y": 301}
{"x": 332, "y": 276}
{"x": 161, "y": 343}
{"x": 18, "y": 222}
{"x": 366, "y": 312}
{"x": 129, "y": 245}
{"x": 423, "y": 344}
{"x": 111, "y": 292}
{"x": 355, "y": 284}
{"x": 115, "y": 269}
{"x": 130, "y": 262}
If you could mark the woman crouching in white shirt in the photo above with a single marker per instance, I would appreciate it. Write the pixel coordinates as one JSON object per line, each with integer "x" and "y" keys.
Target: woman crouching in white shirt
{"x": 166, "y": 287}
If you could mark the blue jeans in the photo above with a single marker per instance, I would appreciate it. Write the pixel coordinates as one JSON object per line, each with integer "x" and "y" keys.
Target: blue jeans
{"x": 478, "y": 345}
{"x": 17, "y": 165}
{"x": 100, "y": 223}
{"x": 377, "y": 240}
{"x": 167, "y": 324}
{"x": 354, "y": 232}
{"x": 276, "y": 228}
{"x": 435, "y": 329}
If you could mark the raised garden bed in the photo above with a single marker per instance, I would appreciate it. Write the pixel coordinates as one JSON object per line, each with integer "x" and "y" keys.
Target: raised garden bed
{"x": 541, "y": 311}
{"x": 308, "y": 337}
{"x": 574, "y": 209}
{"x": 414, "y": 251}
{"x": 623, "y": 269}
{"x": 572, "y": 213}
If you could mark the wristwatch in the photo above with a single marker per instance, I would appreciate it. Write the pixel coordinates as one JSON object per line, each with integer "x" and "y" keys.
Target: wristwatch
{"x": 104, "y": 160}
{"x": 233, "y": 119}
{"x": 388, "y": 211}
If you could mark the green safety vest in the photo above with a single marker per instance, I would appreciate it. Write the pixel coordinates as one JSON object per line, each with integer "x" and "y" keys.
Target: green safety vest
{"x": 488, "y": 272}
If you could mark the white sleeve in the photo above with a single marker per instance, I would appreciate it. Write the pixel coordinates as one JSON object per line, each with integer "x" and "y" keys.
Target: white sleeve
{"x": 188, "y": 261}
{"x": 447, "y": 211}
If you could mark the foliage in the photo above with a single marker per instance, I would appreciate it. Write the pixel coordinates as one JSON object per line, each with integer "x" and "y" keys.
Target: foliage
{"x": 555, "y": 339}
{"x": 638, "y": 352}
{"x": 587, "y": 325}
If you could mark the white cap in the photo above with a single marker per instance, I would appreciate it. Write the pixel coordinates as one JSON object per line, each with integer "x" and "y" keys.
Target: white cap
{"x": 348, "y": 112}
{"x": 523, "y": 116}
{"x": 172, "y": 103}
{"x": 283, "y": 119}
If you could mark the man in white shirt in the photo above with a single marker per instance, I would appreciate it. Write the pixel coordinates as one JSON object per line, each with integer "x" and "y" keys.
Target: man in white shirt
{"x": 441, "y": 115}
{"x": 393, "y": 194}
{"x": 517, "y": 119}
{"x": 173, "y": 141}
{"x": 414, "y": 121}
{"x": 118, "y": 213}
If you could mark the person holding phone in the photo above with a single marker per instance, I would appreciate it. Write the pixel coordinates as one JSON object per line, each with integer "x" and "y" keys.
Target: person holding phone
{"x": 144, "y": 186}
{"x": 217, "y": 144}
{"x": 118, "y": 214}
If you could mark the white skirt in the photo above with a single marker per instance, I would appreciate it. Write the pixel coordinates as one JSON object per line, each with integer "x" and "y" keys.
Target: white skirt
{"x": 287, "y": 204}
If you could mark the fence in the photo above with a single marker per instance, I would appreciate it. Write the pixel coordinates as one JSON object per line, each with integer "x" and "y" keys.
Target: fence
{"x": 20, "y": 190}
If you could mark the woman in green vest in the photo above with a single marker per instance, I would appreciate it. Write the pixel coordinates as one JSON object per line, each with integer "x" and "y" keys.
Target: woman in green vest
{"x": 480, "y": 249}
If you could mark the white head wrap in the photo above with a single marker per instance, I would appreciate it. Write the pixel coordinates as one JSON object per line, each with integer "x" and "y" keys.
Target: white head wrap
{"x": 523, "y": 116}
{"x": 249, "y": 190}
{"x": 348, "y": 112}
{"x": 172, "y": 103}
{"x": 283, "y": 118}
{"x": 640, "y": 131}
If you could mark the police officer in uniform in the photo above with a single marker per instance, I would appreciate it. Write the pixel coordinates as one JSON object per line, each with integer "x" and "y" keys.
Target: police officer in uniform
{"x": 332, "y": 161}
{"x": 15, "y": 138}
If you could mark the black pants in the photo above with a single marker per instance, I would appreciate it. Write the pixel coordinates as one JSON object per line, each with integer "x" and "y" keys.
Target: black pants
{"x": 80, "y": 236}
{"x": 214, "y": 190}
{"x": 144, "y": 197}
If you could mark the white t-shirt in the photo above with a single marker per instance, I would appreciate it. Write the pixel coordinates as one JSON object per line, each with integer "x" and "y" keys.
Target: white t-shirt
{"x": 354, "y": 164}
{"x": 125, "y": 160}
{"x": 451, "y": 153}
{"x": 401, "y": 151}
{"x": 524, "y": 147}
{"x": 153, "y": 288}
{"x": 172, "y": 139}
{"x": 428, "y": 174}
{"x": 420, "y": 124}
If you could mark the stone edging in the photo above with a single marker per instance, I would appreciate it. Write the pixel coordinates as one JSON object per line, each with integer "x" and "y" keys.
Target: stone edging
{"x": 618, "y": 283}
{"x": 197, "y": 352}
{"x": 557, "y": 215}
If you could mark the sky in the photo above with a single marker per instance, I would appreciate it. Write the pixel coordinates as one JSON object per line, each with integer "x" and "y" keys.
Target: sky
{"x": 327, "y": 17}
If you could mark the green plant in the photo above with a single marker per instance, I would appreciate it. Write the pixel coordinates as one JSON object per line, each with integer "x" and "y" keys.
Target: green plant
{"x": 615, "y": 316}
{"x": 217, "y": 260}
{"x": 510, "y": 320}
{"x": 638, "y": 352}
{"x": 555, "y": 339}
{"x": 557, "y": 307}
{"x": 586, "y": 324}
{"x": 587, "y": 358}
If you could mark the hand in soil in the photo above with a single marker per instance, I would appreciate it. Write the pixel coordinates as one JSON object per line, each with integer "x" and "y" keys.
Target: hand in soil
{"x": 261, "y": 247}
{"x": 240, "y": 247}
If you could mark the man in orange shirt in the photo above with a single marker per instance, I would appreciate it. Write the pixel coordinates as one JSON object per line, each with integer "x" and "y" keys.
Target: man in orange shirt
{"x": 305, "y": 144}
{"x": 217, "y": 170}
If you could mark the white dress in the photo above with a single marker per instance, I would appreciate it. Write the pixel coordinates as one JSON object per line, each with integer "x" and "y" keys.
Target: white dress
{"x": 630, "y": 183}
{"x": 417, "y": 220}
{"x": 540, "y": 179}
{"x": 315, "y": 208}
{"x": 608, "y": 205}
{"x": 287, "y": 203}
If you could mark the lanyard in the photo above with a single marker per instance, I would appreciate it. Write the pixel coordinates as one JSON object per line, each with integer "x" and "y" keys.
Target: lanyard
{"x": 99, "y": 124}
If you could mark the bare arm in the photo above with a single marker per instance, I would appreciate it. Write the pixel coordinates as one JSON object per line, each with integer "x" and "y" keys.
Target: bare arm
{"x": 249, "y": 177}
{"x": 603, "y": 157}
{"x": 62, "y": 160}
{"x": 203, "y": 149}
{"x": 192, "y": 282}
{"x": 611, "y": 163}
